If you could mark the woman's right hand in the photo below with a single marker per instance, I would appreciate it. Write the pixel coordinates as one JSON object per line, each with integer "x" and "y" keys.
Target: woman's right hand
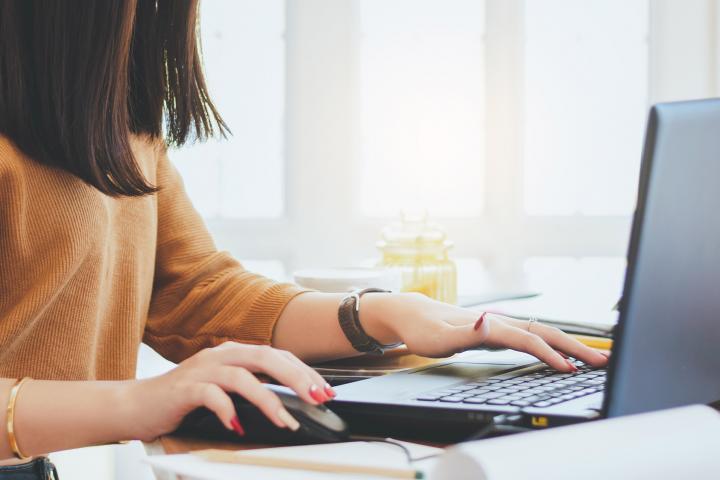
{"x": 160, "y": 403}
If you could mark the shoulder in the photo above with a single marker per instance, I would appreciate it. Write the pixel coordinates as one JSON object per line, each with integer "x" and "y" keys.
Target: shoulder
{"x": 11, "y": 158}
{"x": 20, "y": 171}
{"x": 149, "y": 153}
{"x": 15, "y": 168}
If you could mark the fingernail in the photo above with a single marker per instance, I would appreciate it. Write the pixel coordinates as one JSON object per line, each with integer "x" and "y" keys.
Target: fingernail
{"x": 288, "y": 419}
{"x": 329, "y": 391}
{"x": 235, "y": 422}
{"x": 480, "y": 321}
{"x": 316, "y": 394}
{"x": 571, "y": 365}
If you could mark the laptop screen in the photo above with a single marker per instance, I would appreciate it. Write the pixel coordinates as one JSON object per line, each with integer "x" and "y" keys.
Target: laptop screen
{"x": 667, "y": 345}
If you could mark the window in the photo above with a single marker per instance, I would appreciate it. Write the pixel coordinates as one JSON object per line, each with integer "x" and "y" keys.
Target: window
{"x": 244, "y": 55}
{"x": 586, "y": 98}
{"x": 422, "y": 106}
{"x": 517, "y": 124}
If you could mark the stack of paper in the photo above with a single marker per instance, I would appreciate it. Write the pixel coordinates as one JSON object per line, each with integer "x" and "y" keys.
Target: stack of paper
{"x": 680, "y": 443}
{"x": 350, "y": 453}
{"x": 581, "y": 314}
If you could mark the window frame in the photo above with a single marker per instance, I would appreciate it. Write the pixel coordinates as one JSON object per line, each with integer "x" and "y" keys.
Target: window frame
{"x": 322, "y": 225}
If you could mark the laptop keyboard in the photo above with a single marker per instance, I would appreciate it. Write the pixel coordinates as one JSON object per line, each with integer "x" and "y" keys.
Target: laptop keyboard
{"x": 540, "y": 388}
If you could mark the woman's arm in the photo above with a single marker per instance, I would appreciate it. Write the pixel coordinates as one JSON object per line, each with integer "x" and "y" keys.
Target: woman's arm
{"x": 202, "y": 297}
{"x": 59, "y": 415}
{"x": 55, "y": 415}
{"x": 309, "y": 328}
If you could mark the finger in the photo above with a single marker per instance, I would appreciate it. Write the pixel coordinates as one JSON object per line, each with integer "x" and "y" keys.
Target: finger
{"x": 524, "y": 341}
{"x": 572, "y": 346}
{"x": 314, "y": 375}
{"x": 464, "y": 337}
{"x": 216, "y": 400}
{"x": 298, "y": 376}
{"x": 567, "y": 344}
{"x": 268, "y": 360}
{"x": 241, "y": 381}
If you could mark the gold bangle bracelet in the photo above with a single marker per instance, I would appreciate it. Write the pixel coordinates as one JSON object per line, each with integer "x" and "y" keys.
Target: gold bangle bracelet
{"x": 12, "y": 439}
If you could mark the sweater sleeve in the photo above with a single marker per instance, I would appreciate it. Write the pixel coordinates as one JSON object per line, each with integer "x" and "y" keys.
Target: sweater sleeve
{"x": 203, "y": 297}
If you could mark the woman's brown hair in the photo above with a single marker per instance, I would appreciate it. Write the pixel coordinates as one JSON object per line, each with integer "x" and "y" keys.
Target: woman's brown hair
{"x": 77, "y": 77}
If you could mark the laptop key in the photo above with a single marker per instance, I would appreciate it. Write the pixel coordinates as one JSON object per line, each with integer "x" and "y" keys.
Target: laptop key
{"x": 475, "y": 400}
{"x": 464, "y": 395}
{"x": 586, "y": 391}
{"x": 514, "y": 389}
{"x": 461, "y": 388}
{"x": 452, "y": 399}
{"x": 533, "y": 383}
{"x": 542, "y": 404}
{"x": 520, "y": 403}
{"x": 510, "y": 398}
{"x": 514, "y": 382}
{"x": 428, "y": 398}
{"x": 498, "y": 401}
{"x": 536, "y": 390}
{"x": 533, "y": 398}
{"x": 491, "y": 395}
{"x": 440, "y": 393}
{"x": 479, "y": 391}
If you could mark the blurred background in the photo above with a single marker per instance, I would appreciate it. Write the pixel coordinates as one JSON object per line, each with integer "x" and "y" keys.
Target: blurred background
{"x": 517, "y": 125}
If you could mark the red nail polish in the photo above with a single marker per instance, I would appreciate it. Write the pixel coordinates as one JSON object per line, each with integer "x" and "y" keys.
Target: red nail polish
{"x": 330, "y": 392}
{"x": 235, "y": 422}
{"x": 571, "y": 365}
{"x": 480, "y": 321}
{"x": 317, "y": 395}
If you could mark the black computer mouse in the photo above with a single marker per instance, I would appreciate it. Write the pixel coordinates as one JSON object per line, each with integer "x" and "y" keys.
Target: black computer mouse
{"x": 317, "y": 423}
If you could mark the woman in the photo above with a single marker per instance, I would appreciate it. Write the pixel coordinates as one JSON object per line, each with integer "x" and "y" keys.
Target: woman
{"x": 100, "y": 248}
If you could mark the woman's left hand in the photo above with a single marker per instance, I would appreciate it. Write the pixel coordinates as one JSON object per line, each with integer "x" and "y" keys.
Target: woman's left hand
{"x": 435, "y": 329}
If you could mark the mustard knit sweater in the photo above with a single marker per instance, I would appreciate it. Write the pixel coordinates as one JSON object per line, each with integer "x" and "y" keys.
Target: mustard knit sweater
{"x": 84, "y": 277}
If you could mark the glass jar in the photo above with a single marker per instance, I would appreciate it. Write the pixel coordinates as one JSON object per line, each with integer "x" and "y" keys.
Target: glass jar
{"x": 419, "y": 250}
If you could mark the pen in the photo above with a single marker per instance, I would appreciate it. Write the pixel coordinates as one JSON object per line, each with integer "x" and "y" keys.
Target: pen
{"x": 243, "y": 458}
{"x": 594, "y": 342}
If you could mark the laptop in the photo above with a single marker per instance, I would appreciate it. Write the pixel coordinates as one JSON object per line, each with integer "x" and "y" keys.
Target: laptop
{"x": 666, "y": 350}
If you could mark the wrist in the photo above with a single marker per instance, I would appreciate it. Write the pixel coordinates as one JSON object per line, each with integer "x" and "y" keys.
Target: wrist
{"x": 127, "y": 410}
{"x": 376, "y": 316}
